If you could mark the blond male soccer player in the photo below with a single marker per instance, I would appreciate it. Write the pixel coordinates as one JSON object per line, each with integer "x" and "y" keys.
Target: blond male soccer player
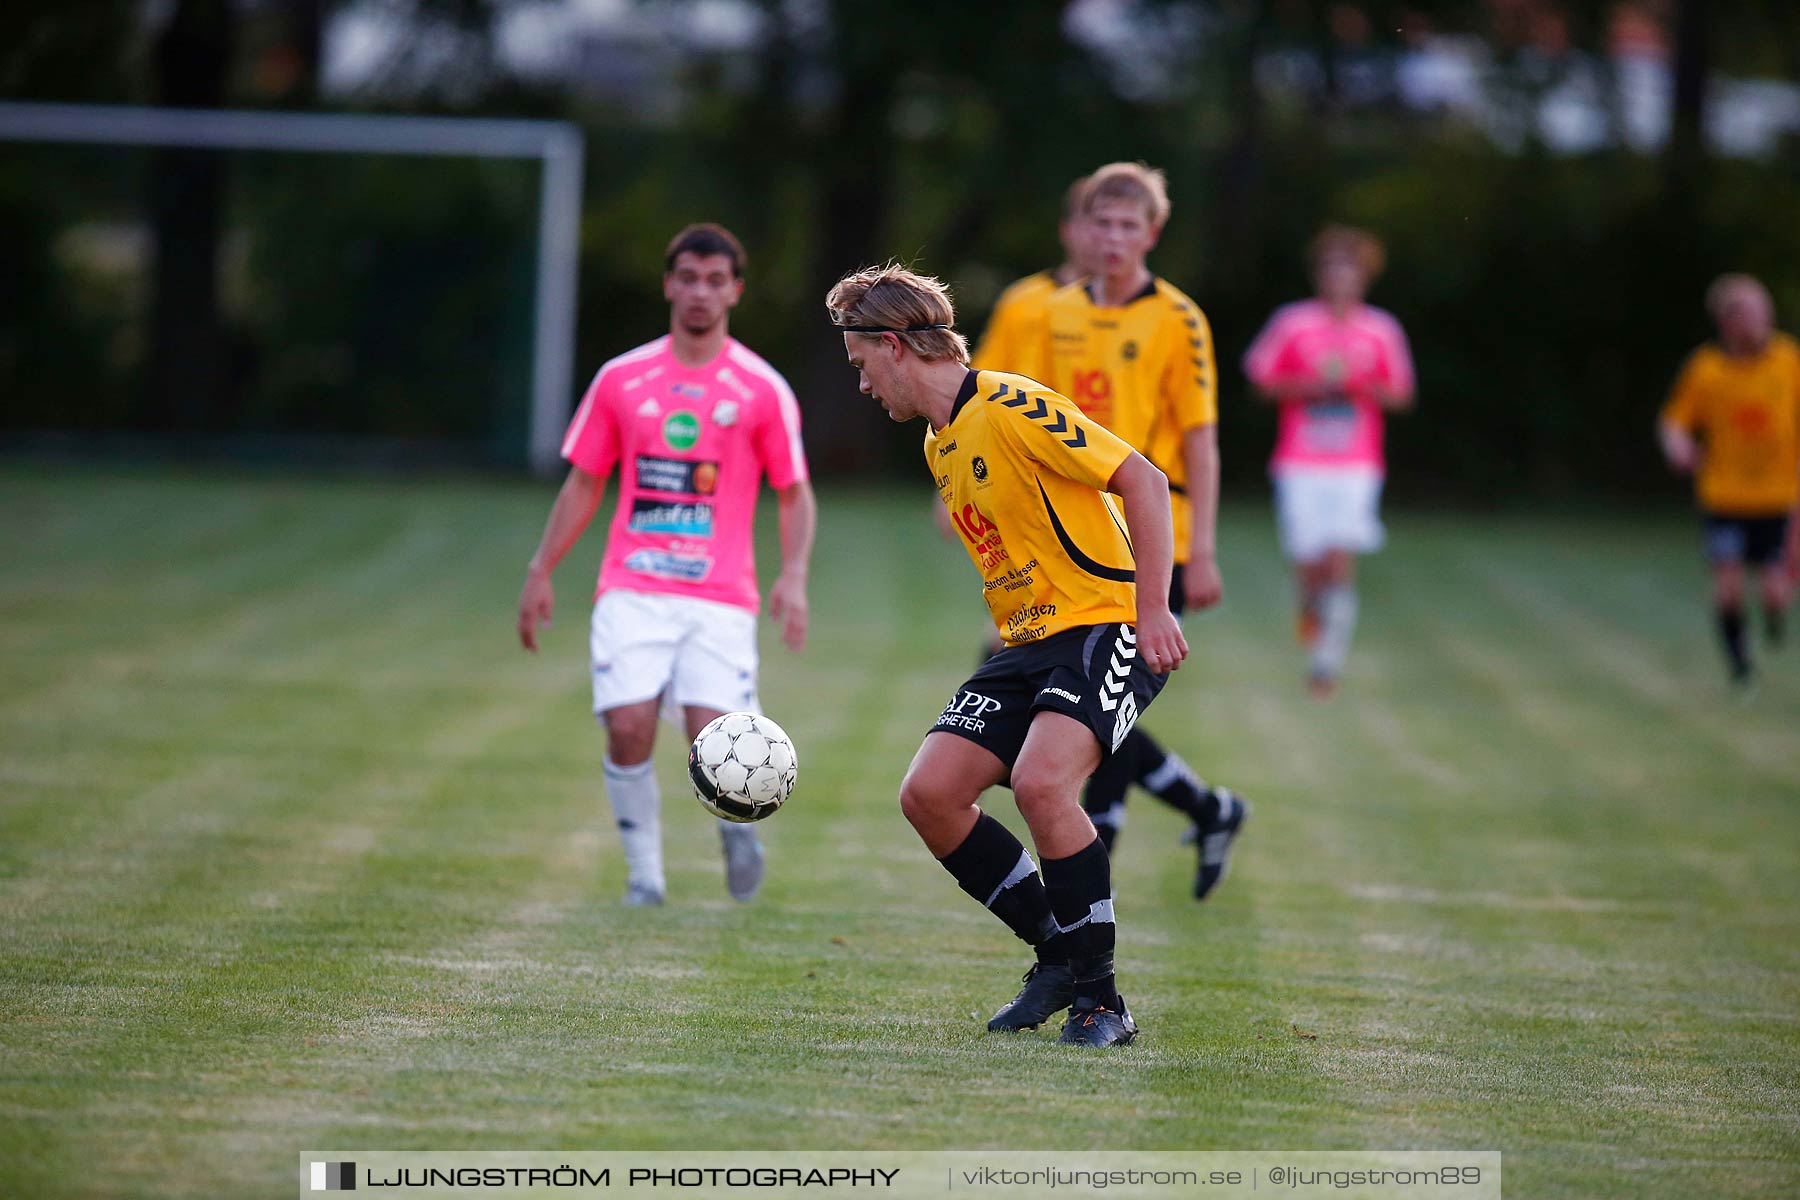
{"x": 1733, "y": 422}
{"x": 1334, "y": 367}
{"x": 693, "y": 421}
{"x": 1026, "y": 477}
{"x": 1137, "y": 356}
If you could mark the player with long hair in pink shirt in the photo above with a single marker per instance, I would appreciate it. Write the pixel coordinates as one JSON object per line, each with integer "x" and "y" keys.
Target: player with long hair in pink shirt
{"x": 1334, "y": 367}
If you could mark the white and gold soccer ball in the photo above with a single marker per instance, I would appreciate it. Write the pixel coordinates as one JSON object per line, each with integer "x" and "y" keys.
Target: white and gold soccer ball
{"x": 743, "y": 767}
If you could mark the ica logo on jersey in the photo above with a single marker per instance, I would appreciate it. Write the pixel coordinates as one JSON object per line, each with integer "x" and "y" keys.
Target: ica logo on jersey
{"x": 982, "y": 535}
{"x": 1092, "y": 390}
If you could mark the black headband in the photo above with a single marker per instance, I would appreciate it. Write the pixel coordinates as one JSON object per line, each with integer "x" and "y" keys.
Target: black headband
{"x": 886, "y": 329}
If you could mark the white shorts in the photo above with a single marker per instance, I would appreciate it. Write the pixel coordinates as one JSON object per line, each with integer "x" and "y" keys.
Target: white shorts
{"x": 686, "y": 651}
{"x": 1320, "y": 509}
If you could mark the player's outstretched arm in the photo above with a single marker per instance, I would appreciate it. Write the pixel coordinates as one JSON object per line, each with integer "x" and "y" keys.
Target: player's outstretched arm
{"x": 799, "y": 518}
{"x": 1678, "y": 446}
{"x": 1148, "y": 519}
{"x": 1200, "y": 448}
{"x": 569, "y": 516}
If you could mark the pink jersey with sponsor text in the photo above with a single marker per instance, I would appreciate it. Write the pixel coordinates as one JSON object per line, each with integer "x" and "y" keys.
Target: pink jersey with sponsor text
{"x": 1304, "y": 342}
{"x": 691, "y": 444}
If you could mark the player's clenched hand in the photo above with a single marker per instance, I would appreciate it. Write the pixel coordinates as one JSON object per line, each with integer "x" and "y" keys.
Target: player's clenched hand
{"x": 1202, "y": 584}
{"x": 787, "y": 604}
{"x": 535, "y": 605}
{"x": 1159, "y": 640}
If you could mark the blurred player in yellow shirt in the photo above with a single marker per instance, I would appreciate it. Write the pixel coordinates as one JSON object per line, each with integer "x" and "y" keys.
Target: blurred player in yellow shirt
{"x": 1733, "y": 422}
{"x": 1017, "y": 319}
{"x": 1137, "y": 356}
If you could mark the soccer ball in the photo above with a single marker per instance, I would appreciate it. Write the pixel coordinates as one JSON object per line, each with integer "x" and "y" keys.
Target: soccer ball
{"x": 743, "y": 767}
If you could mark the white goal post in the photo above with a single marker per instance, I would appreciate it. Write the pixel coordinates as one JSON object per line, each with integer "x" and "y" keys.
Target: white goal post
{"x": 558, "y": 144}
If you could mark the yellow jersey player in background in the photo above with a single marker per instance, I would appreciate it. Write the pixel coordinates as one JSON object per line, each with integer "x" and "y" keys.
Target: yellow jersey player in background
{"x": 1733, "y": 422}
{"x": 1017, "y": 319}
{"x": 1137, "y": 356}
{"x": 1026, "y": 476}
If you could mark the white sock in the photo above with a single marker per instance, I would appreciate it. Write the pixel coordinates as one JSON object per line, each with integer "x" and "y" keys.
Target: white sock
{"x": 637, "y": 807}
{"x": 1172, "y": 769}
{"x": 1337, "y": 622}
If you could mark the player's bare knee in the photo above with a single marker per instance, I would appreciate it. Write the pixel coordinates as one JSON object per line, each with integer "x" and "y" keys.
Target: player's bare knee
{"x": 913, "y": 803}
{"x": 629, "y": 737}
{"x": 1040, "y": 792}
{"x": 920, "y": 802}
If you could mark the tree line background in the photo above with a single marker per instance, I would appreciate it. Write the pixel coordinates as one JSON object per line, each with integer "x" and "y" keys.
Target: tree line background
{"x": 1549, "y": 296}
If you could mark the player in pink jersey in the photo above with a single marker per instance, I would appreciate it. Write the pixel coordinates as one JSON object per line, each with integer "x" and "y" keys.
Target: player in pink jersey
{"x": 1335, "y": 367}
{"x": 693, "y": 421}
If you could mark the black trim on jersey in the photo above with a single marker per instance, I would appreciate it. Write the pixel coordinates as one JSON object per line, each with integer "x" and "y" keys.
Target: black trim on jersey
{"x": 1148, "y": 290}
{"x": 1116, "y": 574}
{"x": 1123, "y": 532}
{"x": 1178, "y": 489}
{"x": 964, "y": 394}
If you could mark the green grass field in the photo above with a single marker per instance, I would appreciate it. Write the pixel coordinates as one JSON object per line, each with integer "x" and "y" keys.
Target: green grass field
{"x": 297, "y": 849}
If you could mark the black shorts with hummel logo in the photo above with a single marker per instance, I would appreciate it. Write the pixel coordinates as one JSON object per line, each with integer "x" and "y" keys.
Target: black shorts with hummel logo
{"x": 1092, "y": 673}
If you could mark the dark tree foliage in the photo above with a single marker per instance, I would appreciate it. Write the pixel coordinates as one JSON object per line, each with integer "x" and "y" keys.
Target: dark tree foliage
{"x": 1550, "y": 297}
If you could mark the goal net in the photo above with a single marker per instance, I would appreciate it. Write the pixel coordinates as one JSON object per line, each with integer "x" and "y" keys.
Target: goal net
{"x": 366, "y": 284}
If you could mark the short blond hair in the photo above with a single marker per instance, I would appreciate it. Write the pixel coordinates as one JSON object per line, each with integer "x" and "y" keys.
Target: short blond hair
{"x": 1721, "y": 288}
{"x": 1138, "y": 182}
{"x": 1359, "y": 245}
{"x": 891, "y": 299}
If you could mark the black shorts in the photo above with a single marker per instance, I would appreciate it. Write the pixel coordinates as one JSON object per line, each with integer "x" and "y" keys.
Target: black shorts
{"x": 1755, "y": 540}
{"x": 1092, "y": 673}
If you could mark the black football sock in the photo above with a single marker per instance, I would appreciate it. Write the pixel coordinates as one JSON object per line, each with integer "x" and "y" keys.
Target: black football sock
{"x": 1170, "y": 780}
{"x": 1104, "y": 798}
{"x": 1731, "y": 632}
{"x": 1774, "y": 623}
{"x": 1080, "y": 889}
{"x": 992, "y": 866}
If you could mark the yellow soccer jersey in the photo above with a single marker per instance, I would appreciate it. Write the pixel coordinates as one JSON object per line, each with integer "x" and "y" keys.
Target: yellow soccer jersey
{"x": 1145, "y": 370}
{"x": 1024, "y": 476}
{"x": 1015, "y": 327}
{"x": 1746, "y": 413}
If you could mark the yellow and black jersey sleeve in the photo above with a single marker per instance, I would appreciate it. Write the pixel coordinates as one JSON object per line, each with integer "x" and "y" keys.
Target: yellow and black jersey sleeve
{"x": 1046, "y": 428}
{"x": 1190, "y": 383}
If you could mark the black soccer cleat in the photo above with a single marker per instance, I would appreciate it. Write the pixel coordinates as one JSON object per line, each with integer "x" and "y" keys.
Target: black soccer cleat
{"x": 1099, "y": 1026}
{"x": 1215, "y": 841}
{"x": 1049, "y": 988}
